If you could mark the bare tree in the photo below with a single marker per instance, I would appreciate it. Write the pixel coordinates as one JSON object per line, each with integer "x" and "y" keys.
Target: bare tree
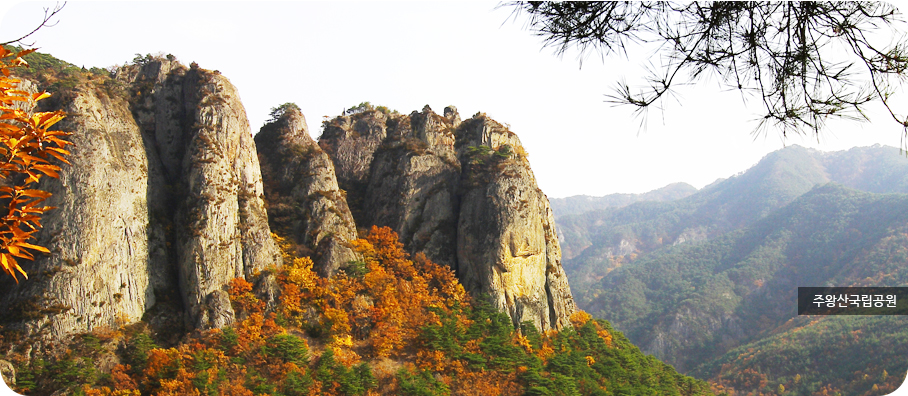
{"x": 805, "y": 61}
{"x": 48, "y": 15}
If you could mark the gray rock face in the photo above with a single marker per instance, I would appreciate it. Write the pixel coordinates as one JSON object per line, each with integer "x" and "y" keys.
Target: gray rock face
{"x": 304, "y": 200}
{"x": 350, "y": 142}
{"x": 99, "y": 273}
{"x": 691, "y": 235}
{"x": 412, "y": 188}
{"x": 217, "y": 311}
{"x": 8, "y": 371}
{"x": 463, "y": 194}
{"x": 165, "y": 203}
{"x": 163, "y": 198}
{"x": 678, "y": 334}
{"x": 206, "y": 148}
{"x": 507, "y": 246}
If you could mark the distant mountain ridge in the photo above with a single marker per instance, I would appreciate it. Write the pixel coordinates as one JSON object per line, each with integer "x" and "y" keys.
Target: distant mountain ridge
{"x": 584, "y": 203}
{"x": 729, "y": 204}
{"x": 707, "y": 282}
{"x": 690, "y": 304}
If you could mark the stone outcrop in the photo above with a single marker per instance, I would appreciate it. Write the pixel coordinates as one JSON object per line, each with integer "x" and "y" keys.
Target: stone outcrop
{"x": 412, "y": 185}
{"x": 351, "y": 141}
{"x": 461, "y": 192}
{"x": 220, "y": 227}
{"x": 163, "y": 201}
{"x": 507, "y": 246}
{"x": 99, "y": 273}
{"x": 304, "y": 200}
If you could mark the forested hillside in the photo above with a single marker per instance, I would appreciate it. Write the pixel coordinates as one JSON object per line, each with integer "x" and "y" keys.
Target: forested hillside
{"x": 386, "y": 325}
{"x": 607, "y": 239}
{"x": 573, "y": 213}
{"x": 724, "y": 307}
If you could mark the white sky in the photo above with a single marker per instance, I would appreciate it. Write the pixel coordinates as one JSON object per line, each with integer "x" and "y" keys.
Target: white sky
{"x": 329, "y": 56}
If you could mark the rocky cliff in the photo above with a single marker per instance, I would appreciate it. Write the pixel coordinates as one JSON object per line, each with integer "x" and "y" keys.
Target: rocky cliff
{"x": 463, "y": 194}
{"x": 202, "y": 135}
{"x": 101, "y": 271}
{"x": 163, "y": 201}
{"x": 301, "y": 191}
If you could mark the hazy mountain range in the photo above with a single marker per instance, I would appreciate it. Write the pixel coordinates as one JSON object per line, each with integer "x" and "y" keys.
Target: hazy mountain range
{"x": 708, "y": 282}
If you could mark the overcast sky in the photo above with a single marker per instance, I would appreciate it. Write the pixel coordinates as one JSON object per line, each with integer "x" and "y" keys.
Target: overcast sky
{"x": 329, "y": 56}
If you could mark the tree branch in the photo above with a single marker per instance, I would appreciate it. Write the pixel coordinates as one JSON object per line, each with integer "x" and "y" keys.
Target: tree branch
{"x": 48, "y": 14}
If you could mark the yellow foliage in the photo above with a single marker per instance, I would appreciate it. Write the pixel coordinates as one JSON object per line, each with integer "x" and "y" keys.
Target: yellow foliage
{"x": 545, "y": 352}
{"x": 386, "y": 306}
{"x": 299, "y": 272}
{"x": 605, "y": 336}
{"x": 238, "y": 286}
{"x": 338, "y": 320}
{"x": 26, "y": 148}
{"x": 344, "y": 355}
{"x": 343, "y": 341}
{"x": 580, "y": 318}
{"x": 179, "y": 386}
{"x": 482, "y": 383}
{"x": 431, "y": 360}
{"x": 524, "y": 342}
{"x": 105, "y": 391}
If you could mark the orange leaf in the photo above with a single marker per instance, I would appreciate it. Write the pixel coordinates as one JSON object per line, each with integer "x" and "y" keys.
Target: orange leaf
{"x": 34, "y": 247}
{"x": 35, "y": 193}
{"x": 40, "y": 95}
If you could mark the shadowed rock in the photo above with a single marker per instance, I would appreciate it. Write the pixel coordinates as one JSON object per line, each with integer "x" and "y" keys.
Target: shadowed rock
{"x": 304, "y": 201}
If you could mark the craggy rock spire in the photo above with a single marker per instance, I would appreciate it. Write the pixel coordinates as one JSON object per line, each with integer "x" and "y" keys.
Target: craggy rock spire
{"x": 304, "y": 201}
{"x": 351, "y": 141}
{"x": 506, "y": 246}
{"x": 220, "y": 226}
{"x": 461, "y": 192}
{"x": 412, "y": 185}
{"x": 162, "y": 205}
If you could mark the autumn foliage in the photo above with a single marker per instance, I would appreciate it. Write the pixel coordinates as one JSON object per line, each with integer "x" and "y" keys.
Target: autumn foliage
{"x": 27, "y": 147}
{"x": 386, "y": 324}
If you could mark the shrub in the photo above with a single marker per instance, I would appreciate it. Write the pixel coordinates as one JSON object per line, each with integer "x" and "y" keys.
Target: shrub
{"x": 289, "y": 348}
{"x": 279, "y": 111}
{"x": 422, "y": 383}
{"x": 351, "y": 381}
{"x": 137, "y": 351}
